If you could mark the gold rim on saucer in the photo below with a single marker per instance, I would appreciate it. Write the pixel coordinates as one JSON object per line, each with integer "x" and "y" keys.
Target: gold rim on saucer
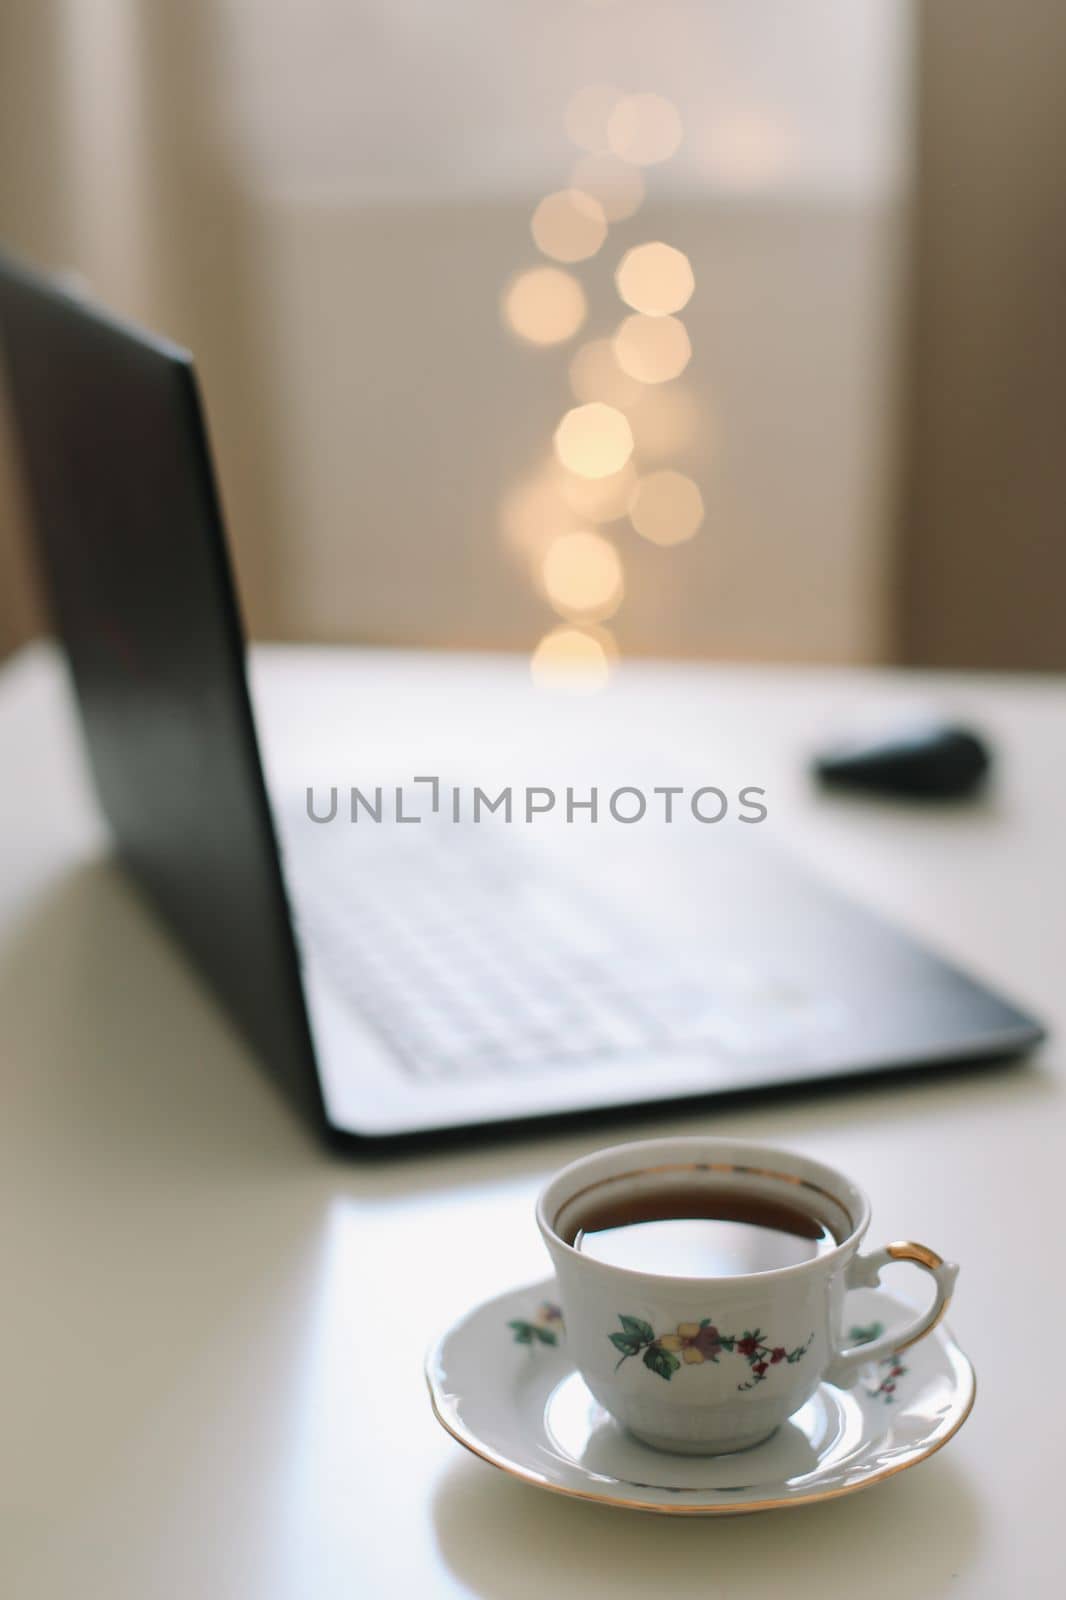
{"x": 622, "y": 1501}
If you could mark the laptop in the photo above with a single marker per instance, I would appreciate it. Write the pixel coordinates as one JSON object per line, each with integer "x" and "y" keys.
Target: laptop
{"x": 406, "y": 981}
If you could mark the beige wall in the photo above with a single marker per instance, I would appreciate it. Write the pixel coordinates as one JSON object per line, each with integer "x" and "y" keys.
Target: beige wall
{"x": 33, "y": 212}
{"x": 985, "y": 526}
{"x": 371, "y": 417}
{"x": 405, "y": 421}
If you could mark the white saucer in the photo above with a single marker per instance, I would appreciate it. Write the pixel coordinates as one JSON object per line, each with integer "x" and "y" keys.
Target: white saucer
{"x": 502, "y": 1383}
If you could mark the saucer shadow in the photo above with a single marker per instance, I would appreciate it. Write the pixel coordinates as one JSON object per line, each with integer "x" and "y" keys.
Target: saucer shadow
{"x": 508, "y": 1541}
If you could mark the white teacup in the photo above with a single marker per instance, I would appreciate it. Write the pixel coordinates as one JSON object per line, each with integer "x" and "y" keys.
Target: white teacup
{"x": 705, "y": 1365}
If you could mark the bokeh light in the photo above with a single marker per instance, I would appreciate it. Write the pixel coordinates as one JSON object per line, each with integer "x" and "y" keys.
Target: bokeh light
{"x": 569, "y": 225}
{"x": 667, "y": 507}
{"x": 597, "y": 499}
{"x": 587, "y": 116}
{"x": 537, "y": 511}
{"x": 652, "y": 349}
{"x": 625, "y": 387}
{"x": 582, "y": 576}
{"x": 655, "y": 279}
{"x": 668, "y": 421}
{"x": 596, "y": 375}
{"x": 573, "y": 658}
{"x": 594, "y": 440}
{"x": 644, "y": 129}
{"x": 544, "y": 305}
{"x": 617, "y": 185}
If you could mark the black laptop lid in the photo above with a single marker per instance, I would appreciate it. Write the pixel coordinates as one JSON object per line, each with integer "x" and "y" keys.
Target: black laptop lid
{"x": 130, "y": 534}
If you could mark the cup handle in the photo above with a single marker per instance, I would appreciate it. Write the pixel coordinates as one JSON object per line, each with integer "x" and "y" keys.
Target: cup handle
{"x": 864, "y": 1272}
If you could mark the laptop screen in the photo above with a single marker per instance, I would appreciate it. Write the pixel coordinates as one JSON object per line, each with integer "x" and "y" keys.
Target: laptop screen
{"x": 130, "y": 535}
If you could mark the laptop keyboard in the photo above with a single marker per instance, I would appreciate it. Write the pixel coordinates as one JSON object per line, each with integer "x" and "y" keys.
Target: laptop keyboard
{"x": 472, "y": 961}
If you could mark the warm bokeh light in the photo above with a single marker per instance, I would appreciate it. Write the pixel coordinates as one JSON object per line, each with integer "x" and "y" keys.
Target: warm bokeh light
{"x": 569, "y": 225}
{"x": 594, "y": 440}
{"x": 597, "y": 499}
{"x": 555, "y": 519}
{"x": 653, "y": 349}
{"x": 573, "y": 658}
{"x": 667, "y": 507}
{"x": 582, "y": 576}
{"x": 655, "y": 279}
{"x": 596, "y": 375}
{"x": 617, "y": 185}
{"x": 587, "y": 116}
{"x": 544, "y": 305}
{"x": 668, "y": 421}
{"x": 538, "y": 511}
{"x": 644, "y": 129}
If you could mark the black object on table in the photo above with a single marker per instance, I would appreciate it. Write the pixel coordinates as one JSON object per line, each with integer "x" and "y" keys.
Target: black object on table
{"x": 941, "y": 761}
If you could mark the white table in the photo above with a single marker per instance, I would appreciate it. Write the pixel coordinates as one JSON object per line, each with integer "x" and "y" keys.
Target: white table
{"x": 213, "y": 1332}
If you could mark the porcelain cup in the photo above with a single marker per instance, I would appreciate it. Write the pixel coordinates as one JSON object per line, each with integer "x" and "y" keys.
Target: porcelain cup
{"x": 702, "y": 1365}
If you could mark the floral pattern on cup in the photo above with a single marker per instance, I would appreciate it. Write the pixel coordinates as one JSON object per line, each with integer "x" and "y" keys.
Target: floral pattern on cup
{"x": 891, "y": 1366}
{"x": 543, "y": 1328}
{"x": 697, "y": 1342}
